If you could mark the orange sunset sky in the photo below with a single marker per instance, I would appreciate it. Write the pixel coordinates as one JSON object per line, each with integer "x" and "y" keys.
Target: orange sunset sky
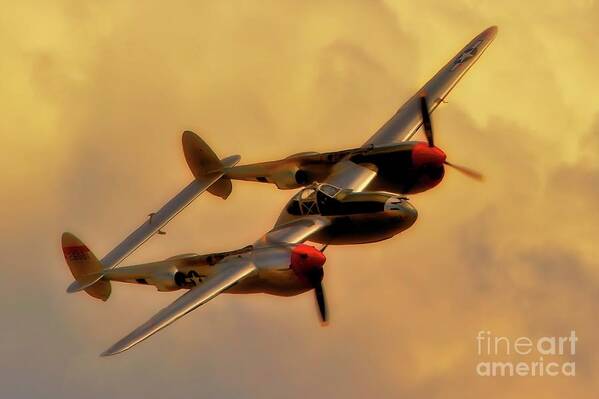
{"x": 95, "y": 95}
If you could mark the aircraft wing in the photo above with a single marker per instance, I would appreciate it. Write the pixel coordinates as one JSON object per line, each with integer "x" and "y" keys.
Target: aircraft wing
{"x": 232, "y": 272}
{"x": 407, "y": 120}
{"x": 158, "y": 219}
{"x": 347, "y": 174}
{"x": 208, "y": 171}
{"x": 294, "y": 232}
{"x": 210, "y": 288}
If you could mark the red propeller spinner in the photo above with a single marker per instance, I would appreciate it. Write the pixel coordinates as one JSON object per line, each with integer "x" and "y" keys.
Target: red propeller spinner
{"x": 423, "y": 154}
{"x": 305, "y": 258}
{"x": 307, "y": 262}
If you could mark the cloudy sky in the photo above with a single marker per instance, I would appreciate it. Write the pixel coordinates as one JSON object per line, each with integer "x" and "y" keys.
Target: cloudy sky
{"x": 95, "y": 95}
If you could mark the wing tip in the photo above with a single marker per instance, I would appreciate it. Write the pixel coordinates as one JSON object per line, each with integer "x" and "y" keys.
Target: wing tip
{"x": 491, "y": 31}
{"x": 115, "y": 350}
{"x": 108, "y": 353}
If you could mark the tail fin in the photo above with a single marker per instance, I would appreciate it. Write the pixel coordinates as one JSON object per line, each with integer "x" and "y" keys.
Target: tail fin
{"x": 203, "y": 161}
{"x": 85, "y": 267}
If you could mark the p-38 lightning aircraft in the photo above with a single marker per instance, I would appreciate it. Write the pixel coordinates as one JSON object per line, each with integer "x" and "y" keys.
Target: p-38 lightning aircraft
{"x": 348, "y": 197}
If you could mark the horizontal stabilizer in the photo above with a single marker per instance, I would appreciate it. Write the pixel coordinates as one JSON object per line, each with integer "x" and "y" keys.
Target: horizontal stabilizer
{"x": 84, "y": 282}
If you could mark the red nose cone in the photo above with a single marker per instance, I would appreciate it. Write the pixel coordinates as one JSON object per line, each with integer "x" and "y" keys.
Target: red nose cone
{"x": 305, "y": 258}
{"x": 422, "y": 155}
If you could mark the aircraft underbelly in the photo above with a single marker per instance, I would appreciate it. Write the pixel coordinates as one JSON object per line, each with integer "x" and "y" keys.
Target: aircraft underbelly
{"x": 274, "y": 282}
{"x": 360, "y": 229}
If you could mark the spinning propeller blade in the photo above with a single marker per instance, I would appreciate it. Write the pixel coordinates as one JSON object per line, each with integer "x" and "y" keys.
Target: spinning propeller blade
{"x": 426, "y": 121}
{"x": 322, "y": 305}
{"x": 307, "y": 262}
{"x": 428, "y": 132}
{"x": 315, "y": 278}
{"x": 467, "y": 171}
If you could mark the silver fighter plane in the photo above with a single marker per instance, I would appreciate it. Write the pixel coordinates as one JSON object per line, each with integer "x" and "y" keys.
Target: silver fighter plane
{"x": 346, "y": 197}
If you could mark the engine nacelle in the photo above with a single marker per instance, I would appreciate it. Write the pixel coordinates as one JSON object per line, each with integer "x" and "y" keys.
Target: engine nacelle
{"x": 176, "y": 279}
{"x": 290, "y": 178}
{"x": 188, "y": 279}
{"x": 167, "y": 281}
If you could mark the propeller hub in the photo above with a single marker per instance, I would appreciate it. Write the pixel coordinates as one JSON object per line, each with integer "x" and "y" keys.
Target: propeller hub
{"x": 305, "y": 260}
{"x": 423, "y": 154}
{"x": 306, "y": 263}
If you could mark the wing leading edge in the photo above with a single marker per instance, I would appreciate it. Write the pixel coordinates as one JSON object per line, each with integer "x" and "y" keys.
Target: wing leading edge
{"x": 209, "y": 173}
{"x": 294, "y": 232}
{"x": 158, "y": 220}
{"x": 210, "y": 288}
{"x": 407, "y": 120}
{"x": 231, "y": 273}
{"x": 348, "y": 174}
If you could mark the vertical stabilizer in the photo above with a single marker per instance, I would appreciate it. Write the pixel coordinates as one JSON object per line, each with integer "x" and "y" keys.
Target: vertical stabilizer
{"x": 202, "y": 161}
{"x": 85, "y": 267}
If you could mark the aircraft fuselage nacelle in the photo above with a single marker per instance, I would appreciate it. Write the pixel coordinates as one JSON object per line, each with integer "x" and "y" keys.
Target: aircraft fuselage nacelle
{"x": 355, "y": 217}
{"x": 279, "y": 270}
{"x": 409, "y": 167}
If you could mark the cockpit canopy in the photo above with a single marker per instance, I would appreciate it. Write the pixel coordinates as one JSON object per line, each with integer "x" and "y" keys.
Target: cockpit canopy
{"x": 309, "y": 200}
{"x": 327, "y": 189}
{"x": 327, "y": 200}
